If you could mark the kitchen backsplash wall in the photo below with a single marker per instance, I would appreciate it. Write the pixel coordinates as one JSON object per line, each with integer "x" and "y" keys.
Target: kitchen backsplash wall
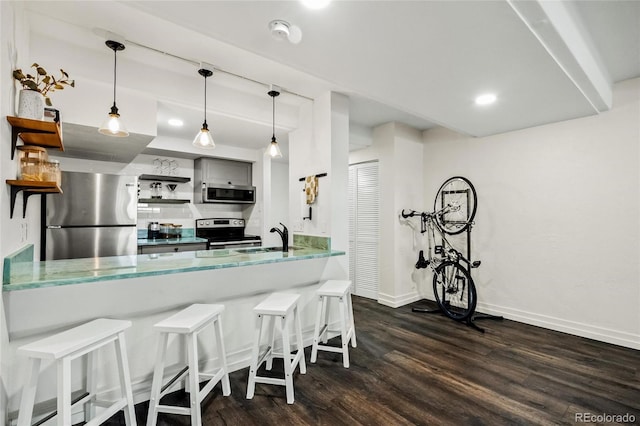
{"x": 179, "y": 214}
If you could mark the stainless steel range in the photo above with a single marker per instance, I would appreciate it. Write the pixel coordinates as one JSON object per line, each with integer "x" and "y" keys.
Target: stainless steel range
{"x": 225, "y": 233}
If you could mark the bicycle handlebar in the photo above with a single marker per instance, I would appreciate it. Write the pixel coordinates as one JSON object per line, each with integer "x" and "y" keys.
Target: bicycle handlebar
{"x": 446, "y": 209}
{"x": 411, "y": 214}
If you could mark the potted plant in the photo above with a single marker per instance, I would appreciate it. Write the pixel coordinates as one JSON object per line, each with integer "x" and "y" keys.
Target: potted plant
{"x": 36, "y": 88}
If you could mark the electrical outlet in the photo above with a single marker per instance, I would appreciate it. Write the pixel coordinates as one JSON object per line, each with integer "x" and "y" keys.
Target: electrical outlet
{"x": 23, "y": 232}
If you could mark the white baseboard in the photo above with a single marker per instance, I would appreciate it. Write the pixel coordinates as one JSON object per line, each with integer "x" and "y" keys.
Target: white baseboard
{"x": 589, "y": 331}
{"x": 398, "y": 301}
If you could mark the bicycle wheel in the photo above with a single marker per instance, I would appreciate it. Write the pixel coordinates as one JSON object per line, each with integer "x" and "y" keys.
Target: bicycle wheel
{"x": 458, "y": 197}
{"x": 454, "y": 290}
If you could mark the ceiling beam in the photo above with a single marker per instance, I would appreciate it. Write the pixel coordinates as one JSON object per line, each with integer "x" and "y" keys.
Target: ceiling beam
{"x": 560, "y": 30}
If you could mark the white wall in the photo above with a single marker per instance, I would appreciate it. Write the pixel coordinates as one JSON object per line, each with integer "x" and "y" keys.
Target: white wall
{"x": 279, "y": 206}
{"x": 14, "y": 47}
{"x": 321, "y": 145}
{"x": 182, "y": 214}
{"x": 557, "y": 227}
{"x": 399, "y": 150}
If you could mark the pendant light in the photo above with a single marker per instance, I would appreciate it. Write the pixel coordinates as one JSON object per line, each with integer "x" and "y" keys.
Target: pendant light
{"x": 203, "y": 138}
{"x": 113, "y": 126}
{"x": 274, "y": 149}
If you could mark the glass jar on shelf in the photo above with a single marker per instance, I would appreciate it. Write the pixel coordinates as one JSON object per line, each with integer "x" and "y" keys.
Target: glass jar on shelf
{"x": 31, "y": 162}
{"x": 51, "y": 172}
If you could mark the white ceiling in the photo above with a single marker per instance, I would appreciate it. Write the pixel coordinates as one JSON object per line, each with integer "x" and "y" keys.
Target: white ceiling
{"x": 417, "y": 62}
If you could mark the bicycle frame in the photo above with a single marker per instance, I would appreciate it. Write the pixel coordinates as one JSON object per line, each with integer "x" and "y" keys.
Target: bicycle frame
{"x": 436, "y": 254}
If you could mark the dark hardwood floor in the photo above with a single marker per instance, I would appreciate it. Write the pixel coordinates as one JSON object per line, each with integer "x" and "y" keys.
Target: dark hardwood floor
{"x": 413, "y": 368}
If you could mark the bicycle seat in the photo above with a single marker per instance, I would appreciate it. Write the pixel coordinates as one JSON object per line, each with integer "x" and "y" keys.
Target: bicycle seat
{"x": 476, "y": 264}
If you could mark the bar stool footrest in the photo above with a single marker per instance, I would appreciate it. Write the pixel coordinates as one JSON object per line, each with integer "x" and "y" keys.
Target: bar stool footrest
{"x": 107, "y": 413}
{"x": 270, "y": 381}
{"x": 170, "y": 409}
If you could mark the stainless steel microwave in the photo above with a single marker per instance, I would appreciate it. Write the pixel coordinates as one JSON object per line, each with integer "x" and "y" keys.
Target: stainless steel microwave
{"x": 230, "y": 194}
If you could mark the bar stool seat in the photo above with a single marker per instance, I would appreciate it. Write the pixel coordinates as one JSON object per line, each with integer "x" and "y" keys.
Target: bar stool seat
{"x": 65, "y": 347}
{"x": 280, "y": 308}
{"x": 189, "y": 322}
{"x": 340, "y": 289}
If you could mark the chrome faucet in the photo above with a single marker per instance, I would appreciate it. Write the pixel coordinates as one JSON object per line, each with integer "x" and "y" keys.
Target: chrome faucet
{"x": 284, "y": 234}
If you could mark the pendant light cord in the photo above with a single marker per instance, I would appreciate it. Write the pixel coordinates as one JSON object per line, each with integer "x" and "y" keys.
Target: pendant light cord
{"x": 115, "y": 62}
{"x": 273, "y": 120}
{"x": 205, "y": 101}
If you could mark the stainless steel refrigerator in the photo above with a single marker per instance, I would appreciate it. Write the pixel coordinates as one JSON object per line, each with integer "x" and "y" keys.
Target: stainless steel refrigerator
{"x": 95, "y": 216}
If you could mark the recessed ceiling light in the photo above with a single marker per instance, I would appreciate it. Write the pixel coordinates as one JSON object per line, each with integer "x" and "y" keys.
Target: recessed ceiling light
{"x": 486, "y": 99}
{"x": 316, "y": 4}
{"x": 176, "y": 122}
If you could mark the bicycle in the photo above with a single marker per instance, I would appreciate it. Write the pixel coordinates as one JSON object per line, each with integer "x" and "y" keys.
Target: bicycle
{"x": 454, "y": 211}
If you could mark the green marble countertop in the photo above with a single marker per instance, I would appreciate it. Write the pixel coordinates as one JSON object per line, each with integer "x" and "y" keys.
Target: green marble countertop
{"x": 164, "y": 241}
{"x": 30, "y": 275}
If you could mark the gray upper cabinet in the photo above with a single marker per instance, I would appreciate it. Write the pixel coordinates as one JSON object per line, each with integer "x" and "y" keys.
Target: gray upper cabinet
{"x": 218, "y": 171}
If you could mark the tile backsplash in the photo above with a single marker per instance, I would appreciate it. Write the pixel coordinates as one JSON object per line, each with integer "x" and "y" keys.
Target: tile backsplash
{"x": 314, "y": 241}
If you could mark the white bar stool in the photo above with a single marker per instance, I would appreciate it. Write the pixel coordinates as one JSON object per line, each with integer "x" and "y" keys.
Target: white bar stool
{"x": 67, "y": 346}
{"x": 341, "y": 290}
{"x": 280, "y": 307}
{"x": 189, "y": 322}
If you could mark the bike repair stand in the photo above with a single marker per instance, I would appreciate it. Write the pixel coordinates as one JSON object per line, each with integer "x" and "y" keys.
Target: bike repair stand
{"x": 475, "y": 316}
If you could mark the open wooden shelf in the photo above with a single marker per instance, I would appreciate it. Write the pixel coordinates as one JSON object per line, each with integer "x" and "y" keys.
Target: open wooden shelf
{"x": 163, "y": 201}
{"x": 163, "y": 178}
{"x": 35, "y": 132}
{"x": 30, "y": 187}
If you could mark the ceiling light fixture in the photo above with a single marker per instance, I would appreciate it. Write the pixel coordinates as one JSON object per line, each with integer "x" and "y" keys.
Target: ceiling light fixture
{"x": 486, "y": 99}
{"x": 175, "y": 122}
{"x": 113, "y": 126}
{"x": 316, "y": 4}
{"x": 274, "y": 149}
{"x": 203, "y": 138}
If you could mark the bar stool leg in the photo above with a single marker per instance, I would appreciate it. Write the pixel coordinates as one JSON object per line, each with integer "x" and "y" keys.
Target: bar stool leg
{"x": 29, "y": 393}
{"x": 158, "y": 372}
{"x": 325, "y": 315}
{"x": 90, "y": 386}
{"x": 351, "y": 320}
{"x": 344, "y": 338}
{"x": 271, "y": 332}
{"x": 316, "y": 330}
{"x": 125, "y": 383}
{"x": 286, "y": 355}
{"x": 253, "y": 368}
{"x": 226, "y": 387}
{"x": 298, "y": 325}
{"x": 64, "y": 391}
{"x": 192, "y": 349}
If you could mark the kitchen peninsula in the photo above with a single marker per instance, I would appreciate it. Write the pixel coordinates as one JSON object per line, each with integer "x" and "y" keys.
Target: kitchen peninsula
{"x": 147, "y": 288}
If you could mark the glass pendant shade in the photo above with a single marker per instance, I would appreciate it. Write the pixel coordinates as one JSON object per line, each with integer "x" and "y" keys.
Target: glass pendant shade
{"x": 113, "y": 126}
{"x": 204, "y": 139}
{"x": 274, "y": 149}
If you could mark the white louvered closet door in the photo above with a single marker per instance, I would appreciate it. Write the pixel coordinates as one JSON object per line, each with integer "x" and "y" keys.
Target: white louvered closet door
{"x": 364, "y": 225}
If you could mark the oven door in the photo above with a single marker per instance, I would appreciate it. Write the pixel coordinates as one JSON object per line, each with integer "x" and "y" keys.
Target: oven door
{"x": 215, "y": 245}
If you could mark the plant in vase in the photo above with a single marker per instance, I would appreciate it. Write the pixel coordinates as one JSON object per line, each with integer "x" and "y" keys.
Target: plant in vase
{"x": 36, "y": 89}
